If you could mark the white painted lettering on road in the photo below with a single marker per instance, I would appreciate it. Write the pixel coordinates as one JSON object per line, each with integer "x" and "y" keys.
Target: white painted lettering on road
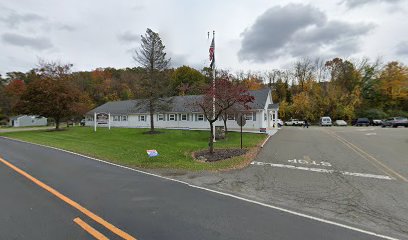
{"x": 322, "y": 170}
{"x": 306, "y": 162}
{"x": 367, "y": 129}
{"x": 370, "y": 134}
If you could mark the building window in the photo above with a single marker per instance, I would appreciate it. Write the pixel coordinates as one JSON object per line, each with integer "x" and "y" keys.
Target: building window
{"x": 142, "y": 118}
{"x": 160, "y": 117}
{"x": 248, "y": 117}
{"x": 265, "y": 116}
{"x": 124, "y": 118}
{"x": 184, "y": 117}
{"x": 116, "y": 118}
{"x": 200, "y": 117}
{"x": 172, "y": 117}
{"x": 230, "y": 117}
{"x": 89, "y": 118}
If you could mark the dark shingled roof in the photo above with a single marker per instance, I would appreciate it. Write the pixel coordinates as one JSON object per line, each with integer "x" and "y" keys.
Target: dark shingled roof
{"x": 273, "y": 106}
{"x": 260, "y": 96}
{"x": 176, "y": 104}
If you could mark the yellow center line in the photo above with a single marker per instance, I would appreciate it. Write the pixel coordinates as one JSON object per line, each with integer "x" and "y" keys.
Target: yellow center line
{"x": 359, "y": 153}
{"x": 74, "y": 204}
{"x": 95, "y": 233}
{"x": 374, "y": 161}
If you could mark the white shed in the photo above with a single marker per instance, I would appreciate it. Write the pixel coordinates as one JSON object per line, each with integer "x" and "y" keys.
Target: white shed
{"x": 27, "y": 121}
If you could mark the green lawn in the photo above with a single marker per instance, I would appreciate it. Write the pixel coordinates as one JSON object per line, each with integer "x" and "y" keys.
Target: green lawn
{"x": 128, "y": 146}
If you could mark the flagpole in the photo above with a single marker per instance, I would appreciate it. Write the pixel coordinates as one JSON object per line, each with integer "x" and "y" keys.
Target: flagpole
{"x": 213, "y": 73}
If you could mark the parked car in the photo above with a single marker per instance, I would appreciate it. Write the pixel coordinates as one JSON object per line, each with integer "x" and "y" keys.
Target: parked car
{"x": 82, "y": 122}
{"x": 340, "y": 123}
{"x": 376, "y": 122}
{"x": 395, "y": 122}
{"x": 294, "y": 122}
{"x": 325, "y": 121}
{"x": 361, "y": 122}
{"x": 279, "y": 122}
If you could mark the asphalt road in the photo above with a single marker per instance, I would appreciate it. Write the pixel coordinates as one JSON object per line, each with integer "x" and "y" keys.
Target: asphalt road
{"x": 144, "y": 206}
{"x": 356, "y": 176}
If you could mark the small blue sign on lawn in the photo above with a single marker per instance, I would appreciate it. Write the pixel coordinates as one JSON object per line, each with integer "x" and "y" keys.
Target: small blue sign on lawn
{"x": 152, "y": 153}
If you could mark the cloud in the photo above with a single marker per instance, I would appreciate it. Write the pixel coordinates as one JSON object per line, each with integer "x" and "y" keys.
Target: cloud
{"x": 14, "y": 19}
{"x": 66, "y": 27}
{"x": 297, "y": 30}
{"x": 38, "y": 43}
{"x": 359, "y": 3}
{"x": 402, "y": 48}
{"x": 139, "y": 7}
{"x": 177, "y": 60}
{"x": 129, "y": 37}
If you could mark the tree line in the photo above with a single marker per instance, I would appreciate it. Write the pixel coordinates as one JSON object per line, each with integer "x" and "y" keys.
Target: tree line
{"x": 309, "y": 89}
{"x": 341, "y": 89}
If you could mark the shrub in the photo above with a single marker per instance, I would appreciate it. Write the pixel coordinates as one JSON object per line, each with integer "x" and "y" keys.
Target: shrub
{"x": 373, "y": 113}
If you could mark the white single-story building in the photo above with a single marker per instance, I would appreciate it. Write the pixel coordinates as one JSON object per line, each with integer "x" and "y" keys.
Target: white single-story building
{"x": 27, "y": 121}
{"x": 182, "y": 114}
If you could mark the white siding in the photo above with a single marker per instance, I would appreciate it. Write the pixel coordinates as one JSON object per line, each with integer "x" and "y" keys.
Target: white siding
{"x": 28, "y": 121}
{"x": 192, "y": 122}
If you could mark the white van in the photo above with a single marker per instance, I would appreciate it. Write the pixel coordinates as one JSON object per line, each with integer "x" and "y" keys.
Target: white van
{"x": 325, "y": 121}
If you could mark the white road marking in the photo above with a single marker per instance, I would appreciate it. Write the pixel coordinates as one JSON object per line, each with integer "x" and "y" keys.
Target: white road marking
{"x": 322, "y": 170}
{"x": 309, "y": 162}
{"x": 370, "y": 134}
{"x": 366, "y": 129}
{"x": 215, "y": 191}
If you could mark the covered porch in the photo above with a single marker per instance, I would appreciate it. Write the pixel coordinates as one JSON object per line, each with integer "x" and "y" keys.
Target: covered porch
{"x": 272, "y": 113}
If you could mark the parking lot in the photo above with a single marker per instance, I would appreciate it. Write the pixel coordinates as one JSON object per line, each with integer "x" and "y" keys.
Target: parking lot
{"x": 352, "y": 175}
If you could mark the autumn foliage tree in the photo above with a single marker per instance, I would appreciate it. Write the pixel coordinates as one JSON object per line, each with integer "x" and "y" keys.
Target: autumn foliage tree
{"x": 393, "y": 84}
{"x": 227, "y": 95}
{"x": 53, "y": 94}
{"x": 13, "y": 91}
{"x": 186, "y": 81}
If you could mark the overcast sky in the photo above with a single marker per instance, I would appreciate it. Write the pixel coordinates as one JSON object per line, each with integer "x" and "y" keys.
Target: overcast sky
{"x": 250, "y": 35}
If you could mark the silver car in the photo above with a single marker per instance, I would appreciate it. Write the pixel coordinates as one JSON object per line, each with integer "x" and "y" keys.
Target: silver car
{"x": 340, "y": 123}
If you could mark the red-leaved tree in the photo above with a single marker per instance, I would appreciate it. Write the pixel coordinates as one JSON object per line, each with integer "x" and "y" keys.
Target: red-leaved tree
{"x": 53, "y": 94}
{"x": 14, "y": 90}
{"x": 227, "y": 95}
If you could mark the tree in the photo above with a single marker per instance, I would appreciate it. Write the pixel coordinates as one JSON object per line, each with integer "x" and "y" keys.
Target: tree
{"x": 303, "y": 71}
{"x": 272, "y": 77}
{"x": 187, "y": 81}
{"x": 227, "y": 95}
{"x": 52, "y": 94}
{"x": 154, "y": 86}
{"x": 13, "y": 90}
{"x": 394, "y": 84}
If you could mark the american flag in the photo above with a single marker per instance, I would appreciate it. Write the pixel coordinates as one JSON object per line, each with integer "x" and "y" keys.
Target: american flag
{"x": 212, "y": 55}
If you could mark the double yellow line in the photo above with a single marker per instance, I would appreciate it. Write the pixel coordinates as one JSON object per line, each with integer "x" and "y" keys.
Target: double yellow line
{"x": 374, "y": 161}
{"x": 75, "y": 205}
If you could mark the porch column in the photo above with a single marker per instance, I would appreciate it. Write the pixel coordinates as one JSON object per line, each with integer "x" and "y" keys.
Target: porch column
{"x": 267, "y": 119}
{"x": 276, "y": 118}
{"x": 273, "y": 120}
